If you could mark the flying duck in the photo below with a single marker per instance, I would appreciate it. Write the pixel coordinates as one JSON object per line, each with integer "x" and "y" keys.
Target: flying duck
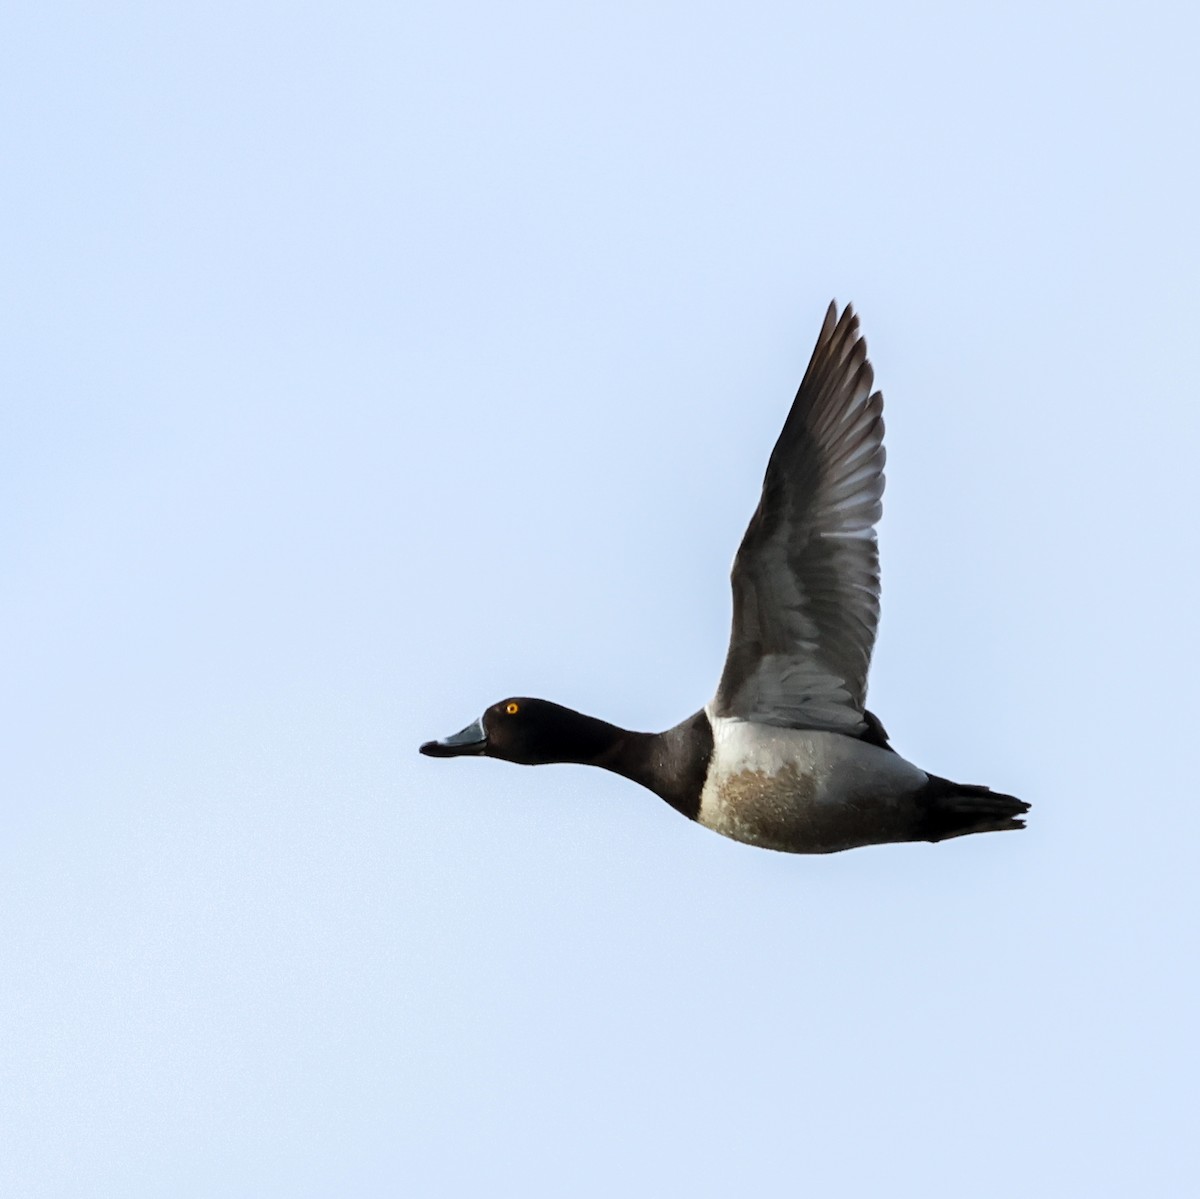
{"x": 786, "y": 755}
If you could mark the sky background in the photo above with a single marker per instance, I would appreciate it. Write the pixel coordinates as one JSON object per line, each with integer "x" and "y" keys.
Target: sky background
{"x": 363, "y": 364}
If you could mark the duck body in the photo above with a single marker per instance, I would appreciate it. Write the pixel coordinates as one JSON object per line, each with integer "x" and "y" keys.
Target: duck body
{"x": 807, "y": 790}
{"x": 786, "y": 755}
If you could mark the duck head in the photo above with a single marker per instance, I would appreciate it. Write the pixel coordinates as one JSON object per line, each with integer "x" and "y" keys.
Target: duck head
{"x": 530, "y": 732}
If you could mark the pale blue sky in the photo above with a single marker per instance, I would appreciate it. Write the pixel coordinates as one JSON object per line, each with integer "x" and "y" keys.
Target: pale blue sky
{"x": 363, "y": 364}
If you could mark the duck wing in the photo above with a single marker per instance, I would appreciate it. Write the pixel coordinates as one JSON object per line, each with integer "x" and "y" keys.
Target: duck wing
{"x": 806, "y": 577}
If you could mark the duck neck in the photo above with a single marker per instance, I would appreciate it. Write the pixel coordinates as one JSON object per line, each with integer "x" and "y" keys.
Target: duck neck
{"x": 673, "y": 764}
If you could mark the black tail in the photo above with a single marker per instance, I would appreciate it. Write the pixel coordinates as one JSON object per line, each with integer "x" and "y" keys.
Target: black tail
{"x": 956, "y": 809}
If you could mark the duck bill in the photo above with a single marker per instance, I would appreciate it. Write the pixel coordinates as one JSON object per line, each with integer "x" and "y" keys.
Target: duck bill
{"x": 472, "y": 740}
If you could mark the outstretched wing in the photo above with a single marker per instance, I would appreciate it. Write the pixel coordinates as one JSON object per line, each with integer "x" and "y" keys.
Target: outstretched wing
{"x": 806, "y": 577}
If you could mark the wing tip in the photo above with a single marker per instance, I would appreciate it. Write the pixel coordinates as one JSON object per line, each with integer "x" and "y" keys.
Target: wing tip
{"x": 841, "y": 329}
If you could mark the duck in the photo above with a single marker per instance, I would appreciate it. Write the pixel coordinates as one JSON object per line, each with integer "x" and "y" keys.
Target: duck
{"x": 785, "y": 756}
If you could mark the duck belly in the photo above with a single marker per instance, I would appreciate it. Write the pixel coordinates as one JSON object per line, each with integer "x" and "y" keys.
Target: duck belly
{"x": 806, "y": 791}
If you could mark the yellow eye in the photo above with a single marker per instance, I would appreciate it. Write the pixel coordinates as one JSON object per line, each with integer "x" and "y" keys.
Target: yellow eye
{"x": 512, "y": 709}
